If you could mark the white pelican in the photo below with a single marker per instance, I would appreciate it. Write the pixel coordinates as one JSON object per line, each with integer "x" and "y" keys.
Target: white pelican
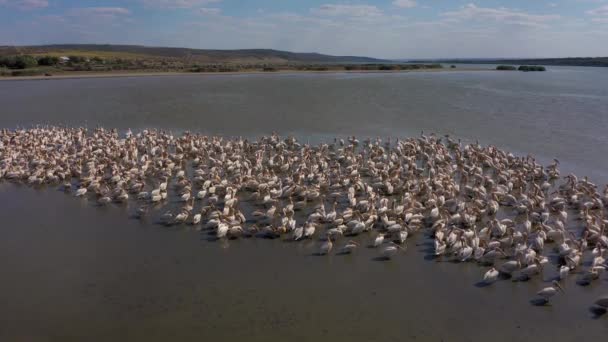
{"x": 350, "y": 247}
{"x": 378, "y": 240}
{"x": 550, "y": 291}
{"x": 104, "y": 200}
{"x": 326, "y": 247}
{"x": 185, "y": 197}
{"x": 181, "y": 217}
{"x": 509, "y": 267}
{"x": 390, "y": 250}
{"x": 222, "y": 230}
{"x": 563, "y": 272}
{"x": 490, "y": 276}
{"x": 298, "y": 233}
{"x": 309, "y": 230}
{"x": 403, "y": 236}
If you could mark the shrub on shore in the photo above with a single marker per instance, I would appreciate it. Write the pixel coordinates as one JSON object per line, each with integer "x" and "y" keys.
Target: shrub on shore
{"x": 532, "y": 68}
{"x": 18, "y": 62}
{"x": 506, "y": 68}
{"x": 48, "y": 60}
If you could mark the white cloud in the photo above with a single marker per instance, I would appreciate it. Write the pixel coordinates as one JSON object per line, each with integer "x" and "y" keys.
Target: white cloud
{"x": 209, "y": 11}
{"x": 100, "y": 11}
{"x": 500, "y": 15}
{"x": 173, "y": 4}
{"x": 602, "y": 11}
{"x": 26, "y": 4}
{"x": 337, "y": 10}
{"x": 405, "y": 3}
{"x": 86, "y": 17}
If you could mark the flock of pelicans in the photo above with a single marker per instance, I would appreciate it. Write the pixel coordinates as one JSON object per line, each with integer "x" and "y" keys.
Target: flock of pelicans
{"x": 478, "y": 204}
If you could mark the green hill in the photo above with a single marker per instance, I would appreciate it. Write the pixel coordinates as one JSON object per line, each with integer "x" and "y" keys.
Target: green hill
{"x": 182, "y": 54}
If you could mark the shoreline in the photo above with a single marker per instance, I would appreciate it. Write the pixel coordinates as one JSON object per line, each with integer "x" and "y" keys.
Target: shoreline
{"x": 78, "y": 75}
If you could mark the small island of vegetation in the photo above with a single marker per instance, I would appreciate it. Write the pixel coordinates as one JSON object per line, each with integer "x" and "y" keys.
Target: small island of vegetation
{"x": 532, "y": 68}
{"x": 524, "y": 68}
{"x": 506, "y": 68}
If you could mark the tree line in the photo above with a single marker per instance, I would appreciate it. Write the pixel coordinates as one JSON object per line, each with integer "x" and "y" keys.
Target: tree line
{"x": 28, "y": 61}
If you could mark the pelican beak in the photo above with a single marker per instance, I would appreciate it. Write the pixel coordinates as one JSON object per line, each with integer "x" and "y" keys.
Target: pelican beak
{"x": 560, "y": 287}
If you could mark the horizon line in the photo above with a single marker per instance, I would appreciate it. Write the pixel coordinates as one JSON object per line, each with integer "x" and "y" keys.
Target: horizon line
{"x": 300, "y": 52}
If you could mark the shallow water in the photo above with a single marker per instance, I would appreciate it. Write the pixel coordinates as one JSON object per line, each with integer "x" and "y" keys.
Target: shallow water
{"x": 73, "y": 271}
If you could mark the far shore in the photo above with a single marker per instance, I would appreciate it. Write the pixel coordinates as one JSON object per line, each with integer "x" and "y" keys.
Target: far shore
{"x": 72, "y": 75}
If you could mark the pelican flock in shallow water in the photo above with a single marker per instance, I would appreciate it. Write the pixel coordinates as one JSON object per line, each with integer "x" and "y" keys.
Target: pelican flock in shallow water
{"x": 478, "y": 203}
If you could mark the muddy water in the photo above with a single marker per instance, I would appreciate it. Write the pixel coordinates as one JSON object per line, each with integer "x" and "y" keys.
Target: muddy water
{"x": 72, "y": 271}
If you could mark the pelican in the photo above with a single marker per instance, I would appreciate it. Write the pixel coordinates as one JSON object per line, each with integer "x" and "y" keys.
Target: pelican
{"x": 563, "y": 272}
{"x": 235, "y": 231}
{"x": 602, "y": 302}
{"x": 222, "y": 230}
{"x": 509, "y": 267}
{"x": 104, "y": 200}
{"x": 185, "y": 197}
{"x": 350, "y": 247}
{"x": 530, "y": 270}
{"x": 141, "y": 211}
{"x": 439, "y": 247}
{"x": 196, "y": 219}
{"x": 181, "y": 217}
{"x": 326, "y": 247}
{"x": 548, "y": 292}
{"x": 309, "y": 230}
{"x": 378, "y": 240}
{"x": 403, "y": 236}
{"x": 390, "y": 250}
{"x": 490, "y": 276}
{"x": 298, "y": 233}
{"x": 167, "y": 218}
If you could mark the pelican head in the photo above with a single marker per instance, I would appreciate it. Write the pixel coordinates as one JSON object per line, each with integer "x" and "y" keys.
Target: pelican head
{"x": 558, "y": 286}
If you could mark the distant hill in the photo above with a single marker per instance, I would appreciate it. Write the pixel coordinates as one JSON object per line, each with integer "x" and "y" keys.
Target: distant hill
{"x": 191, "y": 55}
{"x": 571, "y": 61}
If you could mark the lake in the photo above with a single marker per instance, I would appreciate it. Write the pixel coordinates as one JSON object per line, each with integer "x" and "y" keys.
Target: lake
{"x": 72, "y": 271}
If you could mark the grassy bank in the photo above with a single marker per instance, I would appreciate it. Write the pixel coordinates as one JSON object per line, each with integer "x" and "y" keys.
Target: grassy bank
{"x": 73, "y": 75}
{"x": 54, "y": 65}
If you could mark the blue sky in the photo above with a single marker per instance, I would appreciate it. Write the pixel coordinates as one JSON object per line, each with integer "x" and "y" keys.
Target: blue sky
{"x": 378, "y": 28}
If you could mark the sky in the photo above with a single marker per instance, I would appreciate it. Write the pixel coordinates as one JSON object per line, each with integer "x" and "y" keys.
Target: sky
{"x": 375, "y": 28}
